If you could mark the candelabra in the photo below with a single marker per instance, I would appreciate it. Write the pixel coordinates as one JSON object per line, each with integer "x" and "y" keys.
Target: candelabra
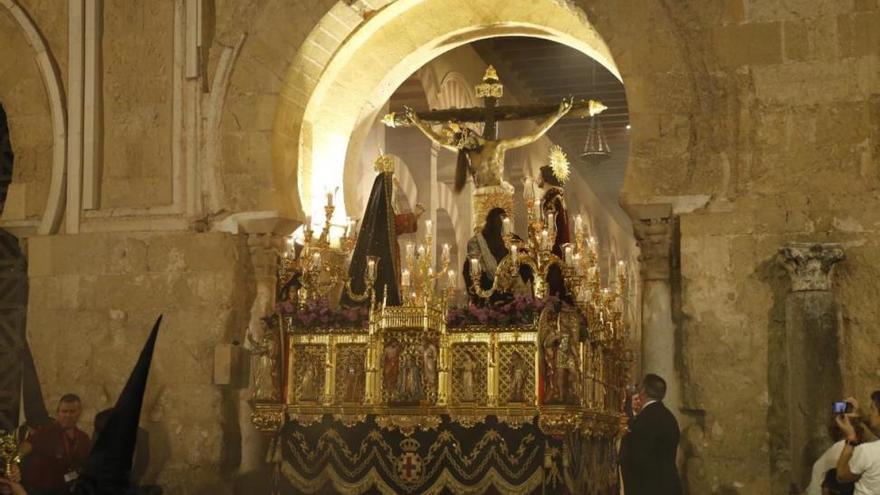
{"x": 320, "y": 266}
{"x": 419, "y": 279}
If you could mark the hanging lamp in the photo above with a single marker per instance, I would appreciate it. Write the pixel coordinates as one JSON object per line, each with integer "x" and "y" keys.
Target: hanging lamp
{"x": 596, "y": 148}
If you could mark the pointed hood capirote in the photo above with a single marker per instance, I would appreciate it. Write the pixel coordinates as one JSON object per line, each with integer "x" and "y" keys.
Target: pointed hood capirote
{"x": 108, "y": 468}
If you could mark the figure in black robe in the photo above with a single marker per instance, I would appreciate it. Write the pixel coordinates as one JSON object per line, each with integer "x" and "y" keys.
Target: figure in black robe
{"x": 380, "y": 227}
{"x": 553, "y": 201}
{"x": 488, "y": 246}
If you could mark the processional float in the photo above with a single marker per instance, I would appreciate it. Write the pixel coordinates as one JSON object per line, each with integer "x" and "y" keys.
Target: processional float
{"x": 411, "y": 399}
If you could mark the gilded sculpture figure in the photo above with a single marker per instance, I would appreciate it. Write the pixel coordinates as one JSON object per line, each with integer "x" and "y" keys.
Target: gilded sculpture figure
{"x": 266, "y": 385}
{"x": 517, "y": 378}
{"x": 467, "y": 377}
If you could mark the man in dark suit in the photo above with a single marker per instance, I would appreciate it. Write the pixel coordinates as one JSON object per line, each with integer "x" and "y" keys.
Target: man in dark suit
{"x": 647, "y": 452}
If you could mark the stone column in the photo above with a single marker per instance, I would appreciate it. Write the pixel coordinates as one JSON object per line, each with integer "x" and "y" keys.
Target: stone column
{"x": 653, "y": 226}
{"x": 264, "y": 250}
{"x": 812, "y": 351}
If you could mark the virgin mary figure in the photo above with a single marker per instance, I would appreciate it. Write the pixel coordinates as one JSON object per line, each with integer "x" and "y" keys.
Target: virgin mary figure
{"x": 379, "y": 229}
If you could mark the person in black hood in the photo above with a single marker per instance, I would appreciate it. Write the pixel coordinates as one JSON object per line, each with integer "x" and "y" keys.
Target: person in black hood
{"x": 108, "y": 468}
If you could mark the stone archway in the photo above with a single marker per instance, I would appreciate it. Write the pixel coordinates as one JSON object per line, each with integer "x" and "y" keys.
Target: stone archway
{"x": 316, "y": 116}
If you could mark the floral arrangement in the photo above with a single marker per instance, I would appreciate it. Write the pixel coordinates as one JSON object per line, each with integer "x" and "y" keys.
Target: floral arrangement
{"x": 321, "y": 315}
{"x": 521, "y": 310}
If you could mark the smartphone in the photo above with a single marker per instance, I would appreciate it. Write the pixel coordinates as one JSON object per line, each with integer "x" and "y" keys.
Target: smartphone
{"x": 841, "y": 407}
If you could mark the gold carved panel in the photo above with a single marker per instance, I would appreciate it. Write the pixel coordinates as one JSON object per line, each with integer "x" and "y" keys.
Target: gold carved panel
{"x": 308, "y": 371}
{"x": 470, "y": 363}
{"x": 516, "y": 361}
{"x": 350, "y": 373}
{"x": 409, "y": 367}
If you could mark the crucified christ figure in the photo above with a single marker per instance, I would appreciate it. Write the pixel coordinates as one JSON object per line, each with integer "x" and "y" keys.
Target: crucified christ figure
{"x": 484, "y": 158}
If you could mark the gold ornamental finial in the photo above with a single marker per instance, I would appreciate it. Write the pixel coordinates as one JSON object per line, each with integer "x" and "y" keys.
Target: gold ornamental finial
{"x": 491, "y": 74}
{"x": 384, "y": 163}
{"x": 491, "y": 86}
{"x": 559, "y": 163}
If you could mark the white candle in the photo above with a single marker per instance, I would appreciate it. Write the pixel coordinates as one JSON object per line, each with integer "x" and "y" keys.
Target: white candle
{"x": 537, "y": 208}
{"x": 421, "y": 250}
{"x": 579, "y": 224}
{"x": 371, "y": 269}
{"x": 316, "y": 260}
{"x": 349, "y": 230}
{"x": 592, "y": 244}
{"x": 545, "y": 239}
{"x": 514, "y": 251}
{"x": 621, "y": 269}
{"x": 450, "y": 278}
{"x": 445, "y": 253}
{"x": 404, "y": 277}
{"x": 428, "y": 225}
{"x": 568, "y": 254}
{"x": 505, "y": 226}
{"x": 410, "y": 250}
{"x": 551, "y": 220}
{"x": 475, "y": 265}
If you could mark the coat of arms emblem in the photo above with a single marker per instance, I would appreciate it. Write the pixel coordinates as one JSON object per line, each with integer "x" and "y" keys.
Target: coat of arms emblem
{"x": 409, "y": 466}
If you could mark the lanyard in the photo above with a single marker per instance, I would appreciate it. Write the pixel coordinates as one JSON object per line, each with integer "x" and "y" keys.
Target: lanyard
{"x": 69, "y": 445}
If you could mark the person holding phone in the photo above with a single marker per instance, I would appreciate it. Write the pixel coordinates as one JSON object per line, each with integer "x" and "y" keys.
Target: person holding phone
{"x": 828, "y": 460}
{"x": 860, "y": 461}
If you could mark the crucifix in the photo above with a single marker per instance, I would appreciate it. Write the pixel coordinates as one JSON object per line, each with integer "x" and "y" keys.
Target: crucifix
{"x": 483, "y": 155}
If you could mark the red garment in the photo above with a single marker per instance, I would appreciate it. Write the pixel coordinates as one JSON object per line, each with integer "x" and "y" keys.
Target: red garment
{"x": 405, "y": 223}
{"x": 54, "y": 455}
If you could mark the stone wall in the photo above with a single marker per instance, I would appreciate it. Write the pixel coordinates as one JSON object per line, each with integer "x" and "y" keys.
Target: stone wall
{"x": 93, "y": 298}
{"x": 138, "y": 50}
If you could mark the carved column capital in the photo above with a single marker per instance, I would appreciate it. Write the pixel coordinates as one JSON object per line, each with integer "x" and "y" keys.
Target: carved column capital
{"x": 265, "y": 249}
{"x": 653, "y": 227}
{"x": 810, "y": 264}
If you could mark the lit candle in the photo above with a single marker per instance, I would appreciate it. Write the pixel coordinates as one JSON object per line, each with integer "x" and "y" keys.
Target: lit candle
{"x": 475, "y": 265}
{"x": 421, "y": 250}
{"x": 568, "y": 254}
{"x": 371, "y": 269}
{"x": 505, "y": 226}
{"x": 621, "y": 269}
{"x": 450, "y": 278}
{"x": 579, "y": 224}
{"x": 551, "y": 220}
{"x": 445, "y": 253}
{"x": 428, "y": 225}
{"x": 592, "y": 244}
{"x": 545, "y": 239}
{"x": 404, "y": 277}
{"x": 514, "y": 251}
{"x": 410, "y": 250}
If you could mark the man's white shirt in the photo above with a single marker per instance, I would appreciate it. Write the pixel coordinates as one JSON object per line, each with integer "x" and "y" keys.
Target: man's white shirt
{"x": 865, "y": 462}
{"x": 826, "y": 462}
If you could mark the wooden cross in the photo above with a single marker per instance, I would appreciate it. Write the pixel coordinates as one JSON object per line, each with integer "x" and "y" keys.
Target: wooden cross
{"x": 490, "y": 90}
